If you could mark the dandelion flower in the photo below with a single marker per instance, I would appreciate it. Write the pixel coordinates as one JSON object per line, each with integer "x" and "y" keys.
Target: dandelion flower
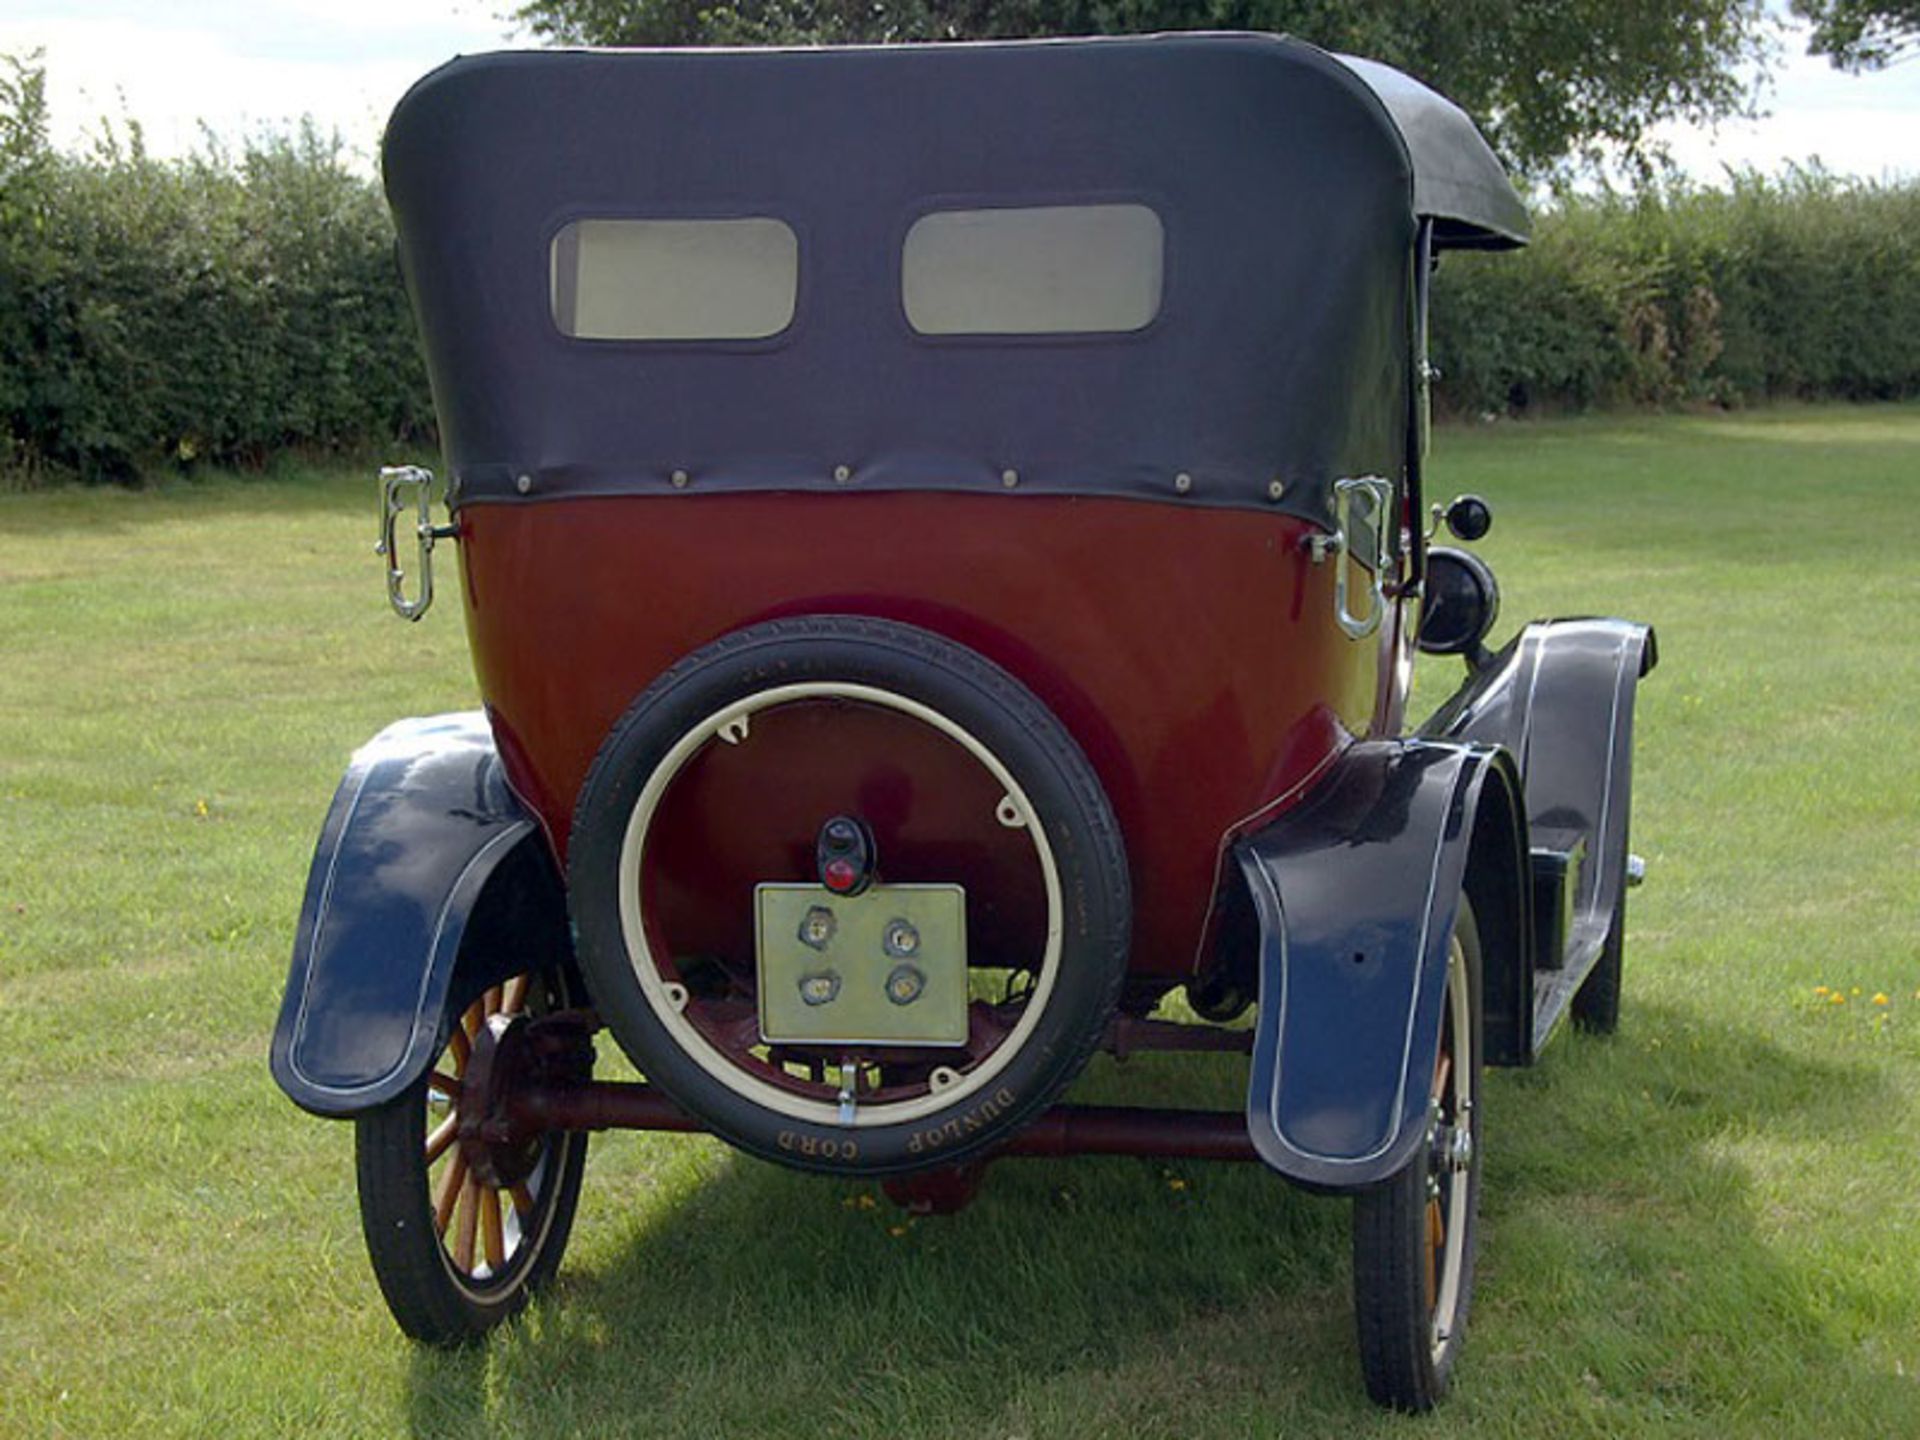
{"x": 200, "y": 808}
{"x": 1856, "y": 991}
{"x": 1820, "y": 990}
{"x": 1880, "y": 998}
{"x": 896, "y": 1231}
{"x": 1836, "y": 998}
{"x": 1174, "y": 1182}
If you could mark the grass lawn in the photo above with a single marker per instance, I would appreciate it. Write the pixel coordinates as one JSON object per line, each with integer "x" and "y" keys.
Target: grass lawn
{"x": 1709, "y": 1225}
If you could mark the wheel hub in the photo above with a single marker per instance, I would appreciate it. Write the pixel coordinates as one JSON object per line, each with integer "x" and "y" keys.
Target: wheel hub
{"x": 511, "y": 1053}
{"x": 1451, "y": 1149}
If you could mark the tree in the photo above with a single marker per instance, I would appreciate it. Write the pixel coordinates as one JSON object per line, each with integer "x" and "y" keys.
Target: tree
{"x": 1862, "y": 34}
{"x": 1548, "y": 80}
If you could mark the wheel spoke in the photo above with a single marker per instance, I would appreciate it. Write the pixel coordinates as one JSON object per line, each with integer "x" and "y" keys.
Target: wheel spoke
{"x": 451, "y": 1184}
{"x": 523, "y": 1204}
{"x": 475, "y": 1017}
{"x": 1436, "y": 1238}
{"x": 460, "y": 1048}
{"x": 442, "y": 1083}
{"x": 1442, "y": 1072}
{"x": 442, "y": 1136}
{"x": 492, "y": 1242}
{"x": 515, "y": 998}
{"x": 491, "y": 1000}
{"x": 465, "y": 1221}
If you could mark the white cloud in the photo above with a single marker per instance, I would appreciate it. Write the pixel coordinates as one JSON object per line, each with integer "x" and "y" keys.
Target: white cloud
{"x": 398, "y": 14}
{"x": 172, "y": 70}
{"x": 1866, "y": 125}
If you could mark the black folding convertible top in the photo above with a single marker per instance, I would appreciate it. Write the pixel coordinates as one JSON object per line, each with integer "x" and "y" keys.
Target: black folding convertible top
{"x": 1290, "y": 185}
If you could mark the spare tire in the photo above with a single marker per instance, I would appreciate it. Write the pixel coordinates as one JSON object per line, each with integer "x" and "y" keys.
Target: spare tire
{"x": 712, "y": 786}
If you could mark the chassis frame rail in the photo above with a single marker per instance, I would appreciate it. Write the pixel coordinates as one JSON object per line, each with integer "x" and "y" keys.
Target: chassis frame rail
{"x": 525, "y": 1077}
{"x": 1166, "y": 1134}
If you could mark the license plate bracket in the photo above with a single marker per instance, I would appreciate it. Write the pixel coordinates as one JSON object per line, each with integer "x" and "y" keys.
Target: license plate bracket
{"x": 885, "y": 967}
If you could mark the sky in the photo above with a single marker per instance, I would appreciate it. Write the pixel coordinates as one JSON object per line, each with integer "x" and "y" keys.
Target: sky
{"x": 240, "y": 65}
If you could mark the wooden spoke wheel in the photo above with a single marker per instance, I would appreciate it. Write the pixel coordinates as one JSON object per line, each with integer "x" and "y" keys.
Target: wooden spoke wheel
{"x": 1414, "y": 1236}
{"x": 454, "y": 1254}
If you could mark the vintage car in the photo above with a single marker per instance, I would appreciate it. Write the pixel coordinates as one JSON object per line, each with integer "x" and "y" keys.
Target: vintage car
{"x": 943, "y": 544}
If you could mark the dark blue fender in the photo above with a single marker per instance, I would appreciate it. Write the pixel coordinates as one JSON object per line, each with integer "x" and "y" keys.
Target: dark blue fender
{"x": 1560, "y": 697}
{"x": 1517, "y": 789}
{"x": 1354, "y": 892}
{"x": 426, "y": 858}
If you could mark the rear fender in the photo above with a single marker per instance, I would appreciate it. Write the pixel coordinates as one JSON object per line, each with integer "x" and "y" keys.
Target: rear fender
{"x": 426, "y": 861}
{"x": 1354, "y": 892}
{"x": 1560, "y": 697}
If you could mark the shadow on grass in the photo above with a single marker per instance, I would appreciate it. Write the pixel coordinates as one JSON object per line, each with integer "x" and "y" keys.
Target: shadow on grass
{"x": 1624, "y": 1281}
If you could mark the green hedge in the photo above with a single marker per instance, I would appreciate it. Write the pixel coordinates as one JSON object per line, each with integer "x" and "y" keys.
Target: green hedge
{"x": 1802, "y": 287}
{"x": 227, "y": 307}
{"x": 221, "y": 308}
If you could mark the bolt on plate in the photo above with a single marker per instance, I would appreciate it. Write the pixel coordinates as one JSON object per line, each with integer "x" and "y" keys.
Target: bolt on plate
{"x": 820, "y": 987}
{"x": 905, "y": 984}
{"x": 817, "y": 927}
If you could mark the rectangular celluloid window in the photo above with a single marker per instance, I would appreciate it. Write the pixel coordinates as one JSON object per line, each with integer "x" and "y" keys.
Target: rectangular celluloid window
{"x": 1045, "y": 270}
{"x": 675, "y": 279}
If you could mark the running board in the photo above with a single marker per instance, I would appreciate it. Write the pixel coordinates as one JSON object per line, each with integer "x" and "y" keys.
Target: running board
{"x": 1553, "y": 992}
{"x": 1560, "y": 699}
